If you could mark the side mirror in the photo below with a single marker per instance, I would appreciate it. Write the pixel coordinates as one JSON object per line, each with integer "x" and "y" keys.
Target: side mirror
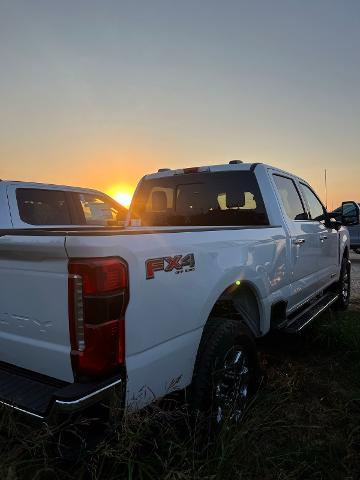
{"x": 350, "y": 213}
{"x": 331, "y": 222}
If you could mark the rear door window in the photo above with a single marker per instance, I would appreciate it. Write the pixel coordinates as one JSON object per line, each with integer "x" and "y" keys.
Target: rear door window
{"x": 200, "y": 199}
{"x": 43, "y": 207}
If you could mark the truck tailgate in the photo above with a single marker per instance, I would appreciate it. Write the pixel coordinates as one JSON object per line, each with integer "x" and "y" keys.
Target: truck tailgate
{"x": 34, "y": 326}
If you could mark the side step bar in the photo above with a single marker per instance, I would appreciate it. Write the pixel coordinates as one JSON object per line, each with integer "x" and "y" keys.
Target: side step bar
{"x": 303, "y": 319}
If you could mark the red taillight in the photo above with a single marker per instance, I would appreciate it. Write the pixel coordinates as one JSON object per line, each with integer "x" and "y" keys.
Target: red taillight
{"x": 100, "y": 276}
{"x": 98, "y": 297}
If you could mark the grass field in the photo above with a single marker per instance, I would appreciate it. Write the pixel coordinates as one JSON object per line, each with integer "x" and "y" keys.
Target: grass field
{"x": 303, "y": 424}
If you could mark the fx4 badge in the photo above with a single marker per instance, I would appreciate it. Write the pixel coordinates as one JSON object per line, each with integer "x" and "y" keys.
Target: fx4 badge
{"x": 179, "y": 263}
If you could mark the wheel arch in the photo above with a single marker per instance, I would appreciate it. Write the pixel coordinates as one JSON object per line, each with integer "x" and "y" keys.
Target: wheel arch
{"x": 240, "y": 301}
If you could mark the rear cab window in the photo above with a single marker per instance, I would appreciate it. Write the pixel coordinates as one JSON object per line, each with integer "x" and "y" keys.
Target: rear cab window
{"x": 45, "y": 207}
{"x": 199, "y": 199}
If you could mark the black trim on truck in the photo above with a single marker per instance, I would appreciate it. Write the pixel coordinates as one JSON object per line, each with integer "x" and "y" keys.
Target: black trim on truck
{"x": 42, "y": 397}
{"x": 87, "y": 231}
{"x": 254, "y": 165}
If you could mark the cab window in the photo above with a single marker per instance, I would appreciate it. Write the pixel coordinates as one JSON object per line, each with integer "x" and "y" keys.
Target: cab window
{"x": 99, "y": 210}
{"x": 43, "y": 207}
{"x": 290, "y": 198}
{"x": 38, "y": 206}
{"x": 200, "y": 199}
{"x": 316, "y": 208}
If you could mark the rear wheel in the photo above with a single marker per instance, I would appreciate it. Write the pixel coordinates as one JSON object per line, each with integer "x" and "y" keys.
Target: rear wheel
{"x": 226, "y": 372}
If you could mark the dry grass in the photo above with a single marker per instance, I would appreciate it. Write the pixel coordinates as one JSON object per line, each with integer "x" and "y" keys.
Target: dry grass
{"x": 303, "y": 424}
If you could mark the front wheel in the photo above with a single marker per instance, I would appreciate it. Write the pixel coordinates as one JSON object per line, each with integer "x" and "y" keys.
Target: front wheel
{"x": 226, "y": 372}
{"x": 344, "y": 285}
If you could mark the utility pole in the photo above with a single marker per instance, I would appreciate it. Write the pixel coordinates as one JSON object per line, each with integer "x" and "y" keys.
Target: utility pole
{"x": 326, "y": 193}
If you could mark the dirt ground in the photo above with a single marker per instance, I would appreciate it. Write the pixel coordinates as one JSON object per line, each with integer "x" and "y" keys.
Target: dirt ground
{"x": 355, "y": 281}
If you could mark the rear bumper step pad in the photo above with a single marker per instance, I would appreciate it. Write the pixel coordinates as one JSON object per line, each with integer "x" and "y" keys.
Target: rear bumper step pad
{"x": 42, "y": 399}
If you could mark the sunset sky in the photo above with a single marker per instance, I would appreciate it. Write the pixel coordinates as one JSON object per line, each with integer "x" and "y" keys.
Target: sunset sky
{"x": 98, "y": 93}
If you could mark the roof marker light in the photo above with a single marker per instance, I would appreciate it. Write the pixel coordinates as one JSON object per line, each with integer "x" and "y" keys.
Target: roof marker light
{"x": 182, "y": 171}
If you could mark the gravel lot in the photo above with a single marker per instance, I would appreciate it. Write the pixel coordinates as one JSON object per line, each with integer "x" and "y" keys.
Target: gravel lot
{"x": 355, "y": 281}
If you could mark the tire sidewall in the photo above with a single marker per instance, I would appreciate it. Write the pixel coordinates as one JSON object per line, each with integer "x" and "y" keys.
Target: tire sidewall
{"x": 227, "y": 335}
{"x": 345, "y": 268}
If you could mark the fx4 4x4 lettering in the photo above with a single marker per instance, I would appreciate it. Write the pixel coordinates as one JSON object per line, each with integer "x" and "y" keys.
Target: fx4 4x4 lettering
{"x": 179, "y": 263}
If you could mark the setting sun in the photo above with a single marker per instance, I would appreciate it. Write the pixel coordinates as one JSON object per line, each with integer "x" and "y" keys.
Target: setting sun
{"x": 123, "y": 198}
{"x": 122, "y": 195}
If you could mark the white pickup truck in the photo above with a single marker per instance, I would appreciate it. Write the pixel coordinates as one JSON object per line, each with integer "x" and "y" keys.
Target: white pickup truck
{"x": 211, "y": 258}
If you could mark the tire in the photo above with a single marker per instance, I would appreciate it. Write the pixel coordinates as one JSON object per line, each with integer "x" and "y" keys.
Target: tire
{"x": 226, "y": 372}
{"x": 344, "y": 285}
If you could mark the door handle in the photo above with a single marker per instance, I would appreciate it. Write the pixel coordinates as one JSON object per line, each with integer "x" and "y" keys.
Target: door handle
{"x": 299, "y": 241}
{"x": 323, "y": 237}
